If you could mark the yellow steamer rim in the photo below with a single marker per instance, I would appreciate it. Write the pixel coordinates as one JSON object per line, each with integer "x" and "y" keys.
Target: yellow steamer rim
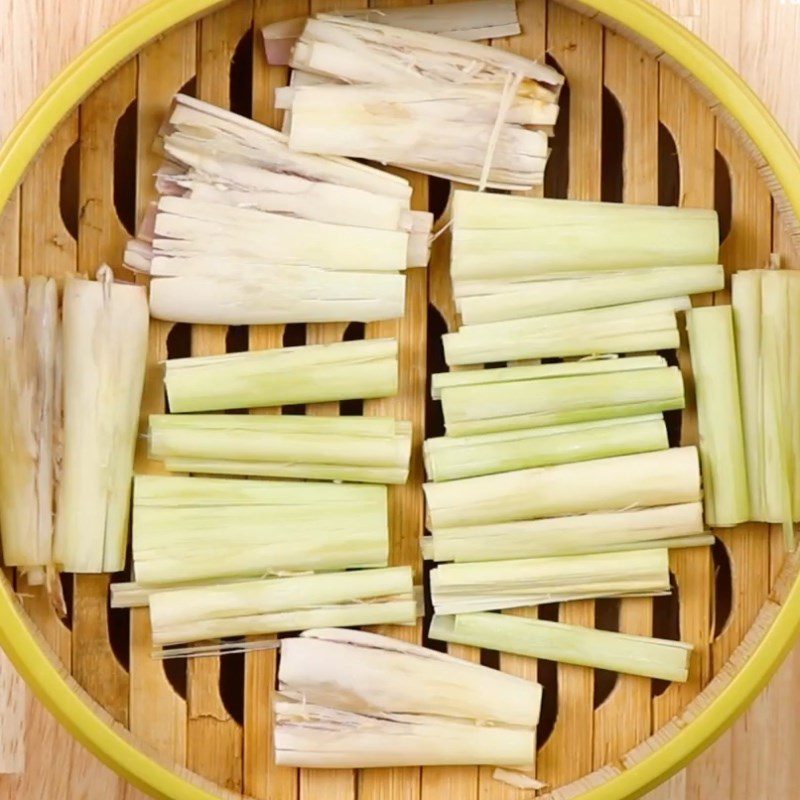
{"x": 109, "y": 741}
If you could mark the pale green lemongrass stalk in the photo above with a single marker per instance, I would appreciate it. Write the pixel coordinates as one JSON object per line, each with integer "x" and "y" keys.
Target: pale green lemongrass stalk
{"x": 631, "y": 328}
{"x": 648, "y": 657}
{"x": 719, "y": 419}
{"x": 278, "y": 295}
{"x": 491, "y": 585}
{"x": 586, "y": 366}
{"x": 369, "y": 449}
{"x": 502, "y": 236}
{"x": 664, "y": 477}
{"x": 105, "y": 333}
{"x": 603, "y": 289}
{"x": 308, "y": 374}
{"x": 504, "y": 406}
{"x": 277, "y": 605}
{"x": 198, "y": 529}
{"x": 448, "y": 458}
{"x": 29, "y": 343}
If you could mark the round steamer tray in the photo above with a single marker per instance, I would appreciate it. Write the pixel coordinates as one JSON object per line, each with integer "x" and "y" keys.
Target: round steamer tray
{"x": 664, "y": 120}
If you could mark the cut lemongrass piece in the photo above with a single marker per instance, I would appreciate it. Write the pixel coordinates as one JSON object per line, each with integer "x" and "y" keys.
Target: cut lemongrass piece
{"x": 664, "y": 477}
{"x": 374, "y": 449}
{"x": 105, "y": 330}
{"x": 604, "y": 289}
{"x": 569, "y": 644}
{"x": 489, "y": 585}
{"x": 719, "y": 419}
{"x": 215, "y": 649}
{"x": 635, "y": 529}
{"x": 631, "y": 328}
{"x": 198, "y": 529}
{"x": 277, "y": 605}
{"x": 341, "y": 705}
{"x": 443, "y": 380}
{"x": 29, "y": 334}
{"x": 448, "y": 458}
{"x": 279, "y": 295}
{"x": 505, "y": 406}
{"x": 310, "y": 374}
{"x": 503, "y": 236}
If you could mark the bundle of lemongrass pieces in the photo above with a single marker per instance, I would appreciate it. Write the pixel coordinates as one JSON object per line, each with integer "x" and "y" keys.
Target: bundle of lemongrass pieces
{"x": 433, "y": 104}
{"x": 248, "y": 232}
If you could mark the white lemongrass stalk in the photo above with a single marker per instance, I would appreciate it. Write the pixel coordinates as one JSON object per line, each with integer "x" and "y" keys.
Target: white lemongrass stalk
{"x": 448, "y": 458}
{"x": 719, "y": 419}
{"x": 138, "y": 255}
{"x": 503, "y": 236}
{"x": 198, "y": 529}
{"x": 603, "y": 289}
{"x": 513, "y": 405}
{"x": 471, "y": 377}
{"x": 341, "y": 705}
{"x": 105, "y": 331}
{"x": 678, "y": 525}
{"x": 307, "y": 374}
{"x": 377, "y": 448}
{"x": 282, "y": 295}
{"x": 664, "y": 477}
{"x": 29, "y": 339}
{"x": 491, "y": 585}
{"x": 186, "y": 227}
{"x": 630, "y": 328}
{"x": 277, "y": 605}
{"x": 664, "y": 659}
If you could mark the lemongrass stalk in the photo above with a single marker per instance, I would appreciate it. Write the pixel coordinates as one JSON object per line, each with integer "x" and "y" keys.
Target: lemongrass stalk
{"x": 604, "y": 289}
{"x": 444, "y": 711}
{"x": 282, "y": 296}
{"x": 198, "y": 529}
{"x": 492, "y": 407}
{"x": 630, "y": 328}
{"x": 105, "y": 330}
{"x": 503, "y": 236}
{"x": 308, "y": 374}
{"x": 29, "y": 334}
{"x": 363, "y": 449}
{"x": 678, "y": 525}
{"x": 276, "y": 605}
{"x": 719, "y": 419}
{"x": 448, "y": 458}
{"x": 491, "y": 585}
{"x": 569, "y": 644}
{"x": 664, "y": 477}
{"x": 443, "y": 380}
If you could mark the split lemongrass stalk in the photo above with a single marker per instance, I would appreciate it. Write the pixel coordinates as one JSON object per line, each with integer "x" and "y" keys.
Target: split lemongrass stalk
{"x": 198, "y": 529}
{"x": 569, "y": 644}
{"x": 518, "y": 404}
{"x": 29, "y": 334}
{"x": 361, "y": 449}
{"x": 668, "y": 526}
{"x": 448, "y": 458}
{"x": 502, "y": 236}
{"x": 491, "y": 585}
{"x": 255, "y": 294}
{"x": 664, "y": 477}
{"x": 630, "y": 328}
{"x": 105, "y": 328}
{"x": 340, "y": 704}
{"x": 471, "y": 21}
{"x": 277, "y": 605}
{"x": 538, "y": 298}
{"x": 719, "y": 419}
{"x": 136, "y": 595}
{"x": 309, "y": 374}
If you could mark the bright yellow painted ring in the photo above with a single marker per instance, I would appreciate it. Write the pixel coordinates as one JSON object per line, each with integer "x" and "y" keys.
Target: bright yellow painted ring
{"x": 121, "y": 42}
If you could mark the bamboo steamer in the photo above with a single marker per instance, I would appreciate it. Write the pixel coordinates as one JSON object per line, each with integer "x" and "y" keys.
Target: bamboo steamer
{"x": 651, "y": 115}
